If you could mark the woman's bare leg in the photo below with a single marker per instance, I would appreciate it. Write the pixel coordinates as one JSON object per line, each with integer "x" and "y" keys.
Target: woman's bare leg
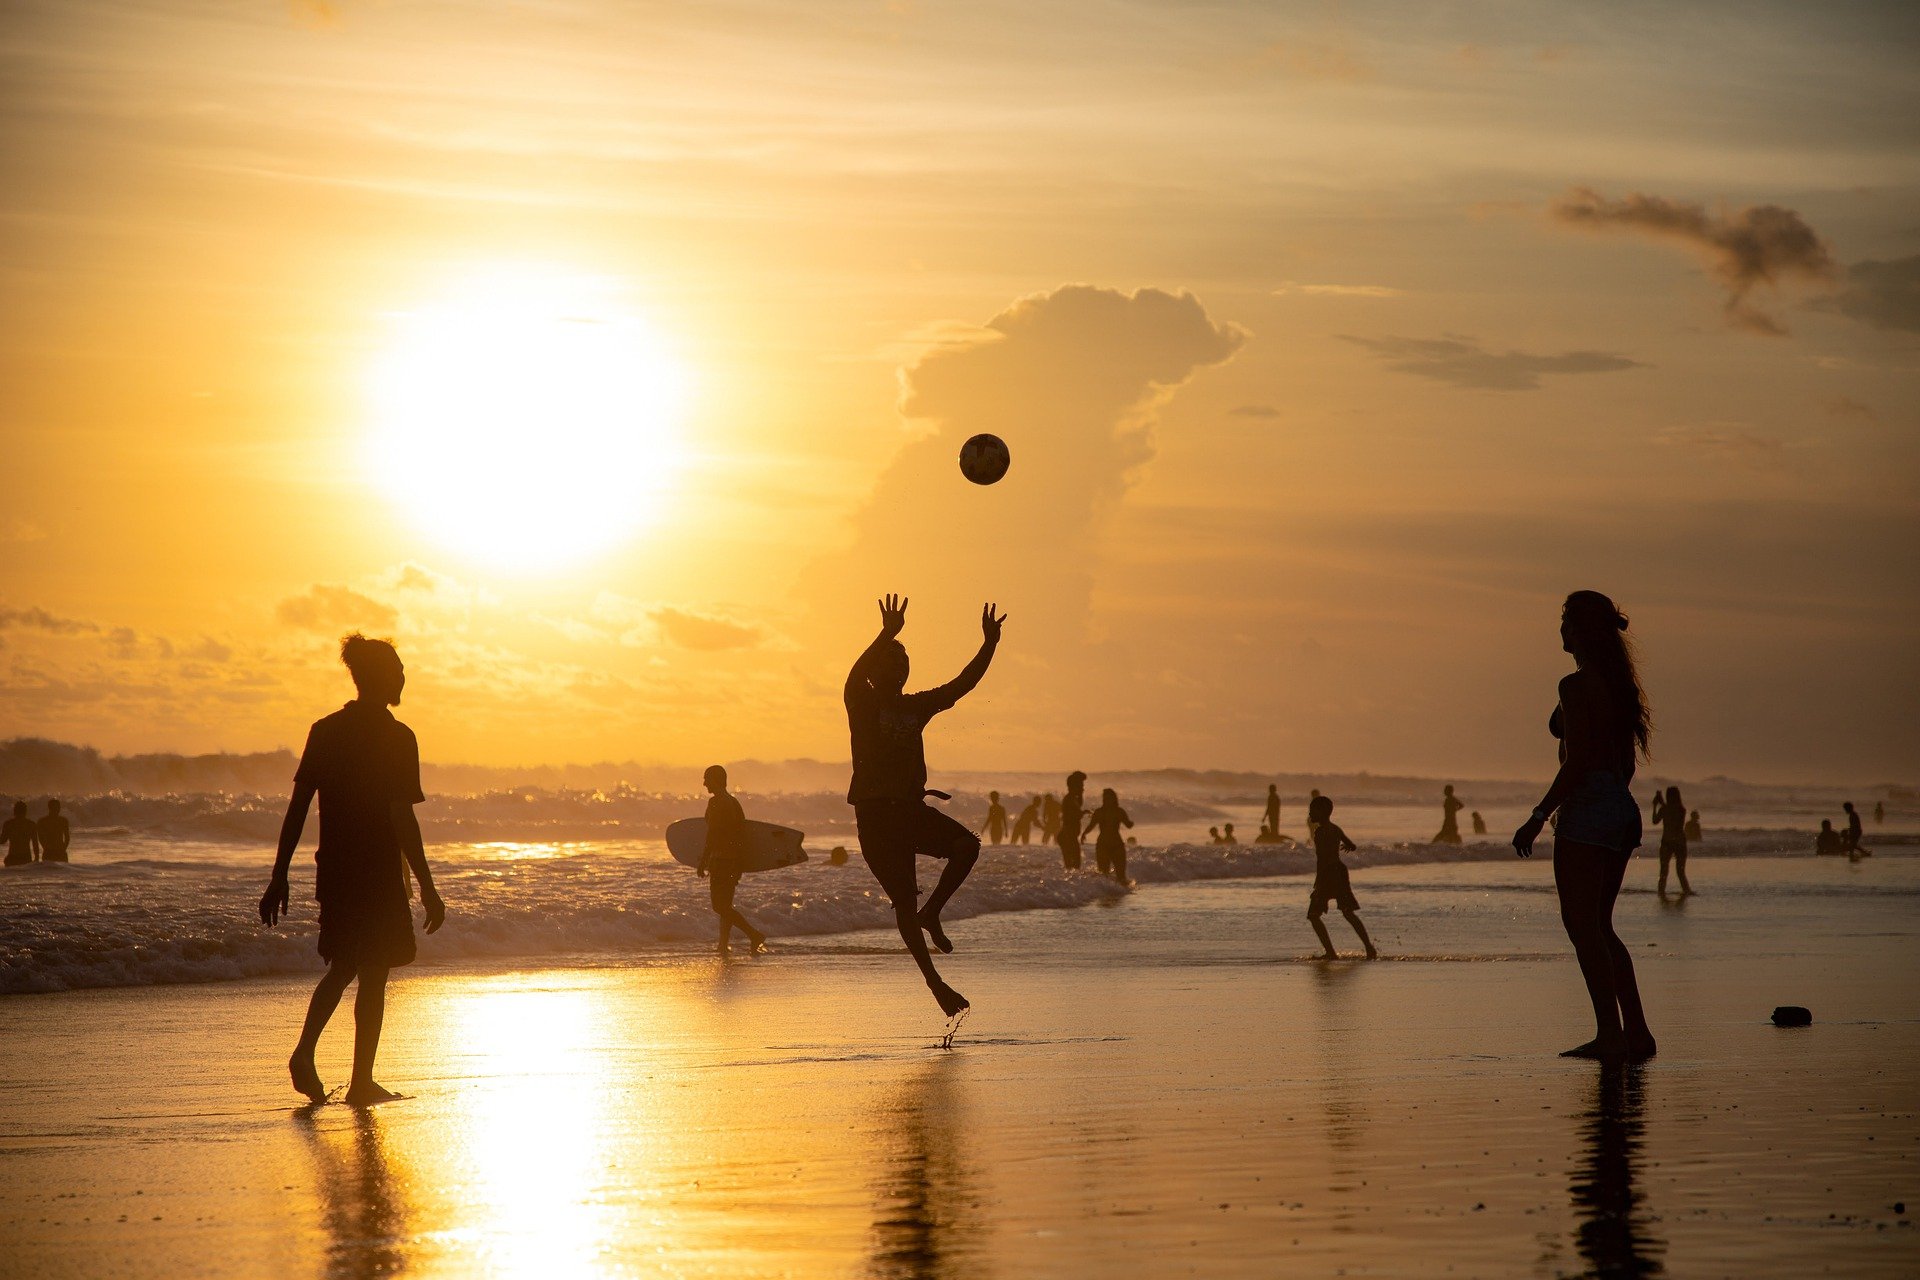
{"x": 1584, "y": 876}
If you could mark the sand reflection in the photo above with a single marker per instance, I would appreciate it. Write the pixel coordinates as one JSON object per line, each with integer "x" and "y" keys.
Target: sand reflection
{"x": 1613, "y": 1226}
{"x": 927, "y": 1202}
{"x": 365, "y": 1205}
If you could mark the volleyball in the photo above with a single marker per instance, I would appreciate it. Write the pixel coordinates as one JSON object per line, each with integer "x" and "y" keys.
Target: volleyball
{"x": 984, "y": 459}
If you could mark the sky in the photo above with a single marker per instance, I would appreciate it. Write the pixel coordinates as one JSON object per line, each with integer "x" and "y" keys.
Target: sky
{"x": 613, "y": 358}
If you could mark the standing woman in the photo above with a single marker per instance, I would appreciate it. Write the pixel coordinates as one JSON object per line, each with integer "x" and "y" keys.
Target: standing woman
{"x": 1602, "y": 724}
{"x": 1110, "y": 850}
{"x": 1671, "y": 813}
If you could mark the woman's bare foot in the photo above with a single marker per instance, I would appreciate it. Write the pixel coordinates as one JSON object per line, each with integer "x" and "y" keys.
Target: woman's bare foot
{"x": 306, "y": 1079}
{"x": 1598, "y": 1047}
{"x": 1640, "y": 1048}
{"x": 370, "y": 1095}
{"x": 951, "y": 1001}
{"x": 936, "y": 935}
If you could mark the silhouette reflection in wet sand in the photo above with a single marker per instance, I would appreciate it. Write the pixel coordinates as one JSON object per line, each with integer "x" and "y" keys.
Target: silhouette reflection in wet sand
{"x": 1612, "y": 1225}
{"x": 926, "y": 1213}
{"x": 363, "y": 1203}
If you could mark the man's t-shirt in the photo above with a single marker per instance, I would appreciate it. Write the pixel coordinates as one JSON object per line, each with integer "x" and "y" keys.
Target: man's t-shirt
{"x": 889, "y": 756}
{"x": 362, "y": 762}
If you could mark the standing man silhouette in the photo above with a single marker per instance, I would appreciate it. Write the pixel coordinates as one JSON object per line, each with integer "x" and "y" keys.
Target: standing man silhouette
{"x": 365, "y": 767}
{"x": 1854, "y": 832}
{"x": 1072, "y": 808}
{"x": 22, "y": 837}
{"x": 54, "y": 834}
{"x": 1272, "y": 815}
{"x": 889, "y": 787}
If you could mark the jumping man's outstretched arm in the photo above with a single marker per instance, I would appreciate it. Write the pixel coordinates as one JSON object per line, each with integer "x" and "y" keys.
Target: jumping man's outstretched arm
{"x": 963, "y": 684}
{"x": 893, "y": 617}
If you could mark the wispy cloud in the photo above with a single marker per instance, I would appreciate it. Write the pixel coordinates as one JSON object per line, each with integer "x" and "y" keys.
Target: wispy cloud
{"x": 1339, "y": 290}
{"x": 1463, "y": 362}
{"x": 1761, "y": 244}
{"x": 1885, "y": 295}
{"x": 329, "y": 607}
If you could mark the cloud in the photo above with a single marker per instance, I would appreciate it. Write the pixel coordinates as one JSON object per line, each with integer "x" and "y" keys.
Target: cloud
{"x": 1727, "y": 439}
{"x": 1761, "y": 244}
{"x": 1330, "y": 60}
{"x": 1339, "y": 290}
{"x": 700, "y": 631}
{"x": 328, "y": 607}
{"x": 1885, "y": 295}
{"x": 38, "y": 619}
{"x": 1071, "y": 380}
{"x": 17, "y": 529}
{"x": 1253, "y": 411}
{"x": 1848, "y": 407}
{"x": 1465, "y": 363}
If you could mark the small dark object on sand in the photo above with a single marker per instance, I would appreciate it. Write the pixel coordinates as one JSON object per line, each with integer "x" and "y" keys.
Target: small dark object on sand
{"x": 1792, "y": 1015}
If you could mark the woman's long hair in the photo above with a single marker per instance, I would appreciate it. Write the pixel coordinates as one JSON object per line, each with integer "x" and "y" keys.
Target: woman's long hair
{"x": 1598, "y": 634}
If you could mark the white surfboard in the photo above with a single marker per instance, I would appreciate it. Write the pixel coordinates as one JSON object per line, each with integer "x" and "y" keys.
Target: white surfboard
{"x": 768, "y": 847}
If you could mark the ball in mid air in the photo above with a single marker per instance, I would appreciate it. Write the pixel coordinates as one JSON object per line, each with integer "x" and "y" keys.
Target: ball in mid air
{"x": 984, "y": 458}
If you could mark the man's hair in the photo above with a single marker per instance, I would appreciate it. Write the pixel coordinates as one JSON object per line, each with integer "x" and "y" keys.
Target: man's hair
{"x": 53, "y": 806}
{"x": 713, "y": 769}
{"x": 365, "y": 657}
{"x": 1321, "y": 809}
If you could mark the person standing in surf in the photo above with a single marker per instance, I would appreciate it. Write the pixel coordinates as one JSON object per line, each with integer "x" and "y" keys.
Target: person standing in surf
{"x": 1024, "y": 824}
{"x": 1270, "y": 817}
{"x": 1450, "y": 806}
{"x": 889, "y": 788}
{"x": 365, "y": 767}
{"x": 1072, "y": 808}
{"x": 1603, "y": 726}
{"x": 995, "y": 827}
{"x": 22, "y": 837}
{"x": 1671, "y": 813}
{"x": 1110, "y": 850}
{"x": 55, "y": 834}
{"x": 721, "y": 860}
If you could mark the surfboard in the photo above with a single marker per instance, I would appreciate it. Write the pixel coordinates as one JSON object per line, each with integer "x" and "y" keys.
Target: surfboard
{"x": 768, "y": 847}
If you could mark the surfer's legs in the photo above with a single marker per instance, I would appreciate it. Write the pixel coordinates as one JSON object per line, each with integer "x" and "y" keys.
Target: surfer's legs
{"x": 326, "y": 998}
{"x": 722, "y": 886}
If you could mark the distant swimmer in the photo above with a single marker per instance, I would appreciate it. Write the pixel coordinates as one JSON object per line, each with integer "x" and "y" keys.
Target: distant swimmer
{"x": 1331, "y": 881}
{"x": 722, "y": 862}
{"x": 1693, "y": 825}
{"x": 1671, "y": 814}
{"x": 1227, "y": 836}
{"x": 1852, "y": 839}
{"x": 1479, "y": 824}
{"x": 1828, "y": 840}
{"x": 837, "y": 856}
{"x": 1450, "y": 807}
{"x": 1601, "y": 721}
{"x": 54, "y": 834}
{"x": 1049, "y": 819}
{"x": 995, "y": 827}
{"x": 23, "y": 838}
{"x": 1109, "y": 851}
{"x": 365, "y": 767}
{"x": 1072, "y": 806}
{"x": 1879, "y": 812}
{"x": 1024, "y": 824}
{"x": 889, "y": 788}
{"x": 1269, "y": 836}
{"x": 1271, "y": 817}
{"x": 1213, "y": 835}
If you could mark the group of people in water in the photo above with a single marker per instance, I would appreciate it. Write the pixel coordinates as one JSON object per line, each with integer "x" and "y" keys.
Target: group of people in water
{"x": 364, "y": 767}
{"x": 1829, "y": 843}
{"x": 45, "y": 840}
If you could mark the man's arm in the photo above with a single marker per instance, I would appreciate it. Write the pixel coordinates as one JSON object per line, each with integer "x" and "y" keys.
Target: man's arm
{"x": 893, "y": 617}
{"x": 963, "y": 684}
{"x": 273, "y": 903}
{"x": 407, "y": 826}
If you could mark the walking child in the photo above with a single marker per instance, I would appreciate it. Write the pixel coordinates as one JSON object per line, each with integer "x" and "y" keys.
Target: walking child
{"x": 1331, "y": 883}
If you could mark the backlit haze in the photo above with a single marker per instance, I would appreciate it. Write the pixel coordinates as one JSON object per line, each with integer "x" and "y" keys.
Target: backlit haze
{"x": 613, "y": 358}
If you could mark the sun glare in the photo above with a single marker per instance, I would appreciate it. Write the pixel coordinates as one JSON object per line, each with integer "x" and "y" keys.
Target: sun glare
{"x": 527, "y": 417}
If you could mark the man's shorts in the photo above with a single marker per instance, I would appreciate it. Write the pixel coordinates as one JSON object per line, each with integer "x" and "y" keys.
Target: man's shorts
{"x": 894, "y": 832}
{"x": 1334, "y": 889}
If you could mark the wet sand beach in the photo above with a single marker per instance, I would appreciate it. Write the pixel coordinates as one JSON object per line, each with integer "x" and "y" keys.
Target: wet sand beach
{"x": 1162, "y": 1085}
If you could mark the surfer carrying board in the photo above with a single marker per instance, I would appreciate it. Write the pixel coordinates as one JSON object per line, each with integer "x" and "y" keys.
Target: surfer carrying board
{"x": 889, "y": 787}
{"x": 723, "y": 861}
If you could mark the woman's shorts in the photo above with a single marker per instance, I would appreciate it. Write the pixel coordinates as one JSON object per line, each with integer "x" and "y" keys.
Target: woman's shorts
{"x": 1601, "y": 811}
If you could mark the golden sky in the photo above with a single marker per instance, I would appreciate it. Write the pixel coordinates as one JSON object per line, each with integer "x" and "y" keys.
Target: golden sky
{"x": 1333, "y": 344}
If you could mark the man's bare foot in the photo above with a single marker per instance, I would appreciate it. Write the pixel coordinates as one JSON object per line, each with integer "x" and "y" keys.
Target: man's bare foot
{"x": 1372, "y": 954}
{"x": 1328, "y": 955}
{"x": 936, "y": 935}
{"x": 951, "y": 1001}
{"x": 306, "y": 1079}
{"x": 759, "y": 946}
{"x": 370, "y": 1095}
{"x": 1610, "y": 1047}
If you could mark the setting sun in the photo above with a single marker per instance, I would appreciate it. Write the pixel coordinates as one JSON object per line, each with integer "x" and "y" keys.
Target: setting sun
{"x": 526, "y": 417}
